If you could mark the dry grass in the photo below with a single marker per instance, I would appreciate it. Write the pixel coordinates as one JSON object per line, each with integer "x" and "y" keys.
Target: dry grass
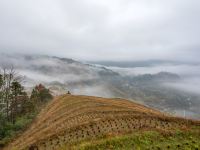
{"x": 68, "y": 119}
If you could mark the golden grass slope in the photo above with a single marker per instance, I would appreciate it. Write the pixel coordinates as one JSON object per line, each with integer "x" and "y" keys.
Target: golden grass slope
{"x": 68, "y": 119}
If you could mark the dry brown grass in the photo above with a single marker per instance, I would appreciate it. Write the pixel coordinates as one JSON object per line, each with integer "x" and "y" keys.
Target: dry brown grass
{"x": 69, "y": 119}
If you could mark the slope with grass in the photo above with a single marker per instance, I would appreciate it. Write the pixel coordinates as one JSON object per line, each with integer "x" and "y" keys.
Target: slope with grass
{"x": 83, "y": 122}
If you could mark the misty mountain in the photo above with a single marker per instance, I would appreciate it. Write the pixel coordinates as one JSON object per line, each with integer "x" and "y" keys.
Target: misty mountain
{"x": 145, "y": 63}
{"x": 60, "y": 74}
{"x": 160, "y": 77}
{"x": 63, "y": 74}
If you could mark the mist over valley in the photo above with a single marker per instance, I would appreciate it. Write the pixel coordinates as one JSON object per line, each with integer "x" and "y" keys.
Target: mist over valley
{"x": 171, "y": 88}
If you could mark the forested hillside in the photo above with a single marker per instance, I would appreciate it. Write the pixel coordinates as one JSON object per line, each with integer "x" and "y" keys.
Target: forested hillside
{"x": 17, "y": 108}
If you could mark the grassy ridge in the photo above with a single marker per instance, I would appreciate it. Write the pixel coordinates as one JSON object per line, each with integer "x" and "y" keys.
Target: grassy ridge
{"x": 69, "y": 119}
{"x": 147, "y": 140}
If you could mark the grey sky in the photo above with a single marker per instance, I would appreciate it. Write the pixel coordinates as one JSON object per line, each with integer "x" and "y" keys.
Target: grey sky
{"x": 103, "y": 29}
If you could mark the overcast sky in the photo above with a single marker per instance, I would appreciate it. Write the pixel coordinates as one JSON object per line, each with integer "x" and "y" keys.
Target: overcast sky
{"x": 103, "y": 29}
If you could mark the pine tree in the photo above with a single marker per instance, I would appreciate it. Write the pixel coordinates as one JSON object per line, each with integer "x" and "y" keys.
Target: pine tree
{"x": 40, "y": 95}
{"x": 18, "y": 97}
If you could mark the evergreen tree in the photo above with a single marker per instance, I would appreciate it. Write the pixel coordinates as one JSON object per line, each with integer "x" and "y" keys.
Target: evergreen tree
{"x": 40, "y": 95}
{"x": 1, "y": 93}
{"x": 18, "y": 99}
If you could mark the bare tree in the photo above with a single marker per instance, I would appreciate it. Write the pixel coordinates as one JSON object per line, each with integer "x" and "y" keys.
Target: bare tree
{"x": 7, "y": 99}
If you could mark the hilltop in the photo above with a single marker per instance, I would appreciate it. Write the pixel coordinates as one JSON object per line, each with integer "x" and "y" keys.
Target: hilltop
{"x": 83, "y": 122}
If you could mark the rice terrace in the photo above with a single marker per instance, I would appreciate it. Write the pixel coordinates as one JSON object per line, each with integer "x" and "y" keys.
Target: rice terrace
{"x": 84, "y": 122}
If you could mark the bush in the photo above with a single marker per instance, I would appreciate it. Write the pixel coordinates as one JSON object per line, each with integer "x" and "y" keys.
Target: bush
{"x": 21, "y": 123}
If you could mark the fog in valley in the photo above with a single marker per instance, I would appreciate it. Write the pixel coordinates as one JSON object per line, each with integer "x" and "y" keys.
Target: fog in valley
{"x": 189, "y": 73}
{"x": 172, "y": 88}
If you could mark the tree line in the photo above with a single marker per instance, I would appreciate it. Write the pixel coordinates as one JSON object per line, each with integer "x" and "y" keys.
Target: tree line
{"x": 15, "y": 104}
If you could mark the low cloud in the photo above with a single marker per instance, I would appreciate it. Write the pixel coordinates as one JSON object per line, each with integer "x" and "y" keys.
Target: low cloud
{"x": 190, "y": 84}
{"x": 58, "y": 74}
{"x": 190, "y": 75}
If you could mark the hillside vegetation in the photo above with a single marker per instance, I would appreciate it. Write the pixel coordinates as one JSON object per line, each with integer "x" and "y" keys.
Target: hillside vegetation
{"x": 17, "y": 107}
{"x": 83, "y": 122}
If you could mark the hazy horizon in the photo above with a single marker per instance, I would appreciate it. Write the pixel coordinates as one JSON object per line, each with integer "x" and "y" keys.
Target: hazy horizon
{"x": 111, "y": 30}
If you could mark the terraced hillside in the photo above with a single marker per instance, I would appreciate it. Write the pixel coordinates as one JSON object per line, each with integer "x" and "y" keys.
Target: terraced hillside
{"x": 69, "y": 120}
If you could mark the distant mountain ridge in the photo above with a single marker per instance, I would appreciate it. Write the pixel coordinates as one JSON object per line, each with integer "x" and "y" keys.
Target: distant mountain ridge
{"x": 158, "y": 77}
{"x": 144, "y": 63}
{"x": 63, "y": 74}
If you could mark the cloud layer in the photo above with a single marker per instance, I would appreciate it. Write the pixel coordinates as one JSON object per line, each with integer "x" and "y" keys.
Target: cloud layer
{"x": 102, "y": 30}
